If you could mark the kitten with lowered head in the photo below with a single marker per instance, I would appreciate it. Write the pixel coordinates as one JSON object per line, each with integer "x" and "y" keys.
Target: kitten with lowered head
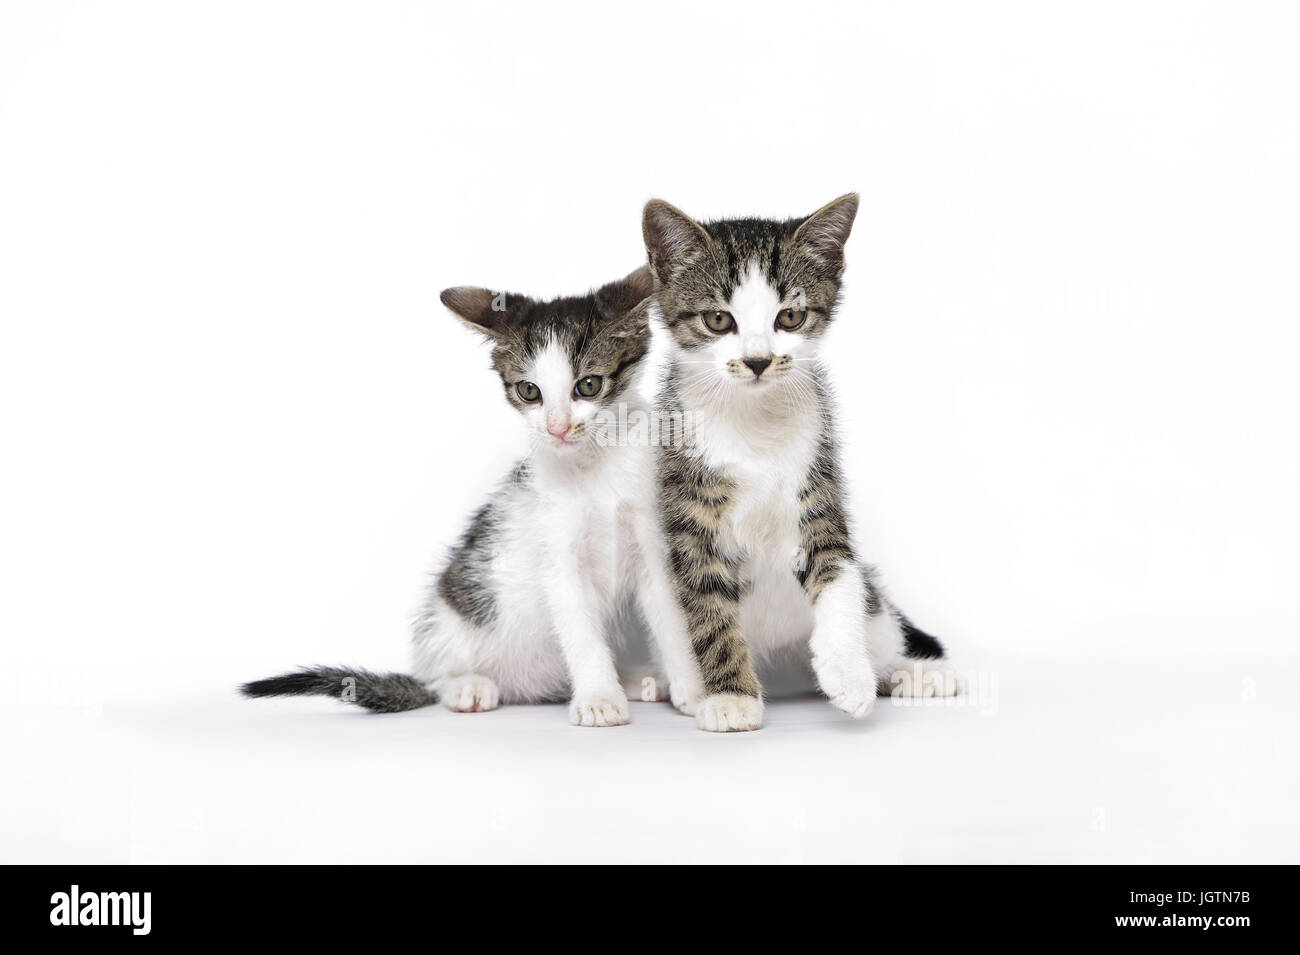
{"x": 760, "y": 552}
{"x": 523, "y": 609}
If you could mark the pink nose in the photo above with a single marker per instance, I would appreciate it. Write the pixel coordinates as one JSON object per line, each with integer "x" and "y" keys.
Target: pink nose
{"x": 559, "y": 429}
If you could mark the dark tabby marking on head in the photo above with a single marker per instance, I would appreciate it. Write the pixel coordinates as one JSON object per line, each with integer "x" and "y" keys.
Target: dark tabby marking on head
{"x": 699, "y": 265}
{"x": 694, "y": 501}
{"x": 604, "y": 333}
{"x": 388, "y": 693}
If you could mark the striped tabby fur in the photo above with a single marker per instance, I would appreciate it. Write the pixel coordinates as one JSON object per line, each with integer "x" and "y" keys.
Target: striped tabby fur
{"x": 759, "y": 545}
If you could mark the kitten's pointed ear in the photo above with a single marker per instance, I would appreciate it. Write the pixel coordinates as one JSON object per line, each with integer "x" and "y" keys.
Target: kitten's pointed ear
{"x": 826, "y": 230}
{"x": 640, "y": 284}
{"x": 484, "y": 310}
{"x": 671, "y": 237}
{"x": 618, "y": 298}
{"x": 626, "y": 303}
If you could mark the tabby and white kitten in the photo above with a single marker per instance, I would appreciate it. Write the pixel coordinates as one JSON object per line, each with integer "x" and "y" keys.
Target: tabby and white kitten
{"x": 523, "y": 609}
{"x": 759, "y": 548}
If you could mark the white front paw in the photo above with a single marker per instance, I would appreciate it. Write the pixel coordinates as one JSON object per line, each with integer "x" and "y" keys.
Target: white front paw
{"x": 850, "y": 684}
{"x": 603, "y": 708}
{"x": 729, "y": 713}
{"x": 857, "y": 705}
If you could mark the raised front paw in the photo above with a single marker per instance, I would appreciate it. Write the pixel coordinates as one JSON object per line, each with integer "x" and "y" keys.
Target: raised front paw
{"x": 469, "y": 693}
{"x": 857, "y": 703}
{"x": 603, "y": 708}
{"x": 849, "y": 684}
{"x": 729, "y": 713}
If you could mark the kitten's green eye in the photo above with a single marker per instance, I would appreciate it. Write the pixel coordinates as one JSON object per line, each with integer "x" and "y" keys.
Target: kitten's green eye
{"x": 788, "y": 319}
{"x": 719, "y": 322}
{"x": 528, "y": 391}
{"x": 588, "y": 387}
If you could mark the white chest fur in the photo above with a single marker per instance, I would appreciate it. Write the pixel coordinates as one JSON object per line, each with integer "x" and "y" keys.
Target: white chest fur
{"x": 582, "y": 519}
{"x": 767, "y": 458}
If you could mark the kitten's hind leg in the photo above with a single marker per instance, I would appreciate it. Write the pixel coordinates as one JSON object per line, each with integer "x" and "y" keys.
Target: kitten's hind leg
{"x": 909, "y": 661}
{"x": 445, "y": 658}
{"x": 468, "y": 692}
{"x": 444, "y": 645}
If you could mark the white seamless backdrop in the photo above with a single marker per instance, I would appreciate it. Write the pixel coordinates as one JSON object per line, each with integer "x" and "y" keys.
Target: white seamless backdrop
{"x": 239, "y": 429}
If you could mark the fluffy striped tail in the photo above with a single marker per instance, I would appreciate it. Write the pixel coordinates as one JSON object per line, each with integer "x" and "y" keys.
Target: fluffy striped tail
{"x": 381, "y": 693}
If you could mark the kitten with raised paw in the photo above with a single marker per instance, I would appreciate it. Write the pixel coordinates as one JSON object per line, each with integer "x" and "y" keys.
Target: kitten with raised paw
{"x": 752, "y": 502}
